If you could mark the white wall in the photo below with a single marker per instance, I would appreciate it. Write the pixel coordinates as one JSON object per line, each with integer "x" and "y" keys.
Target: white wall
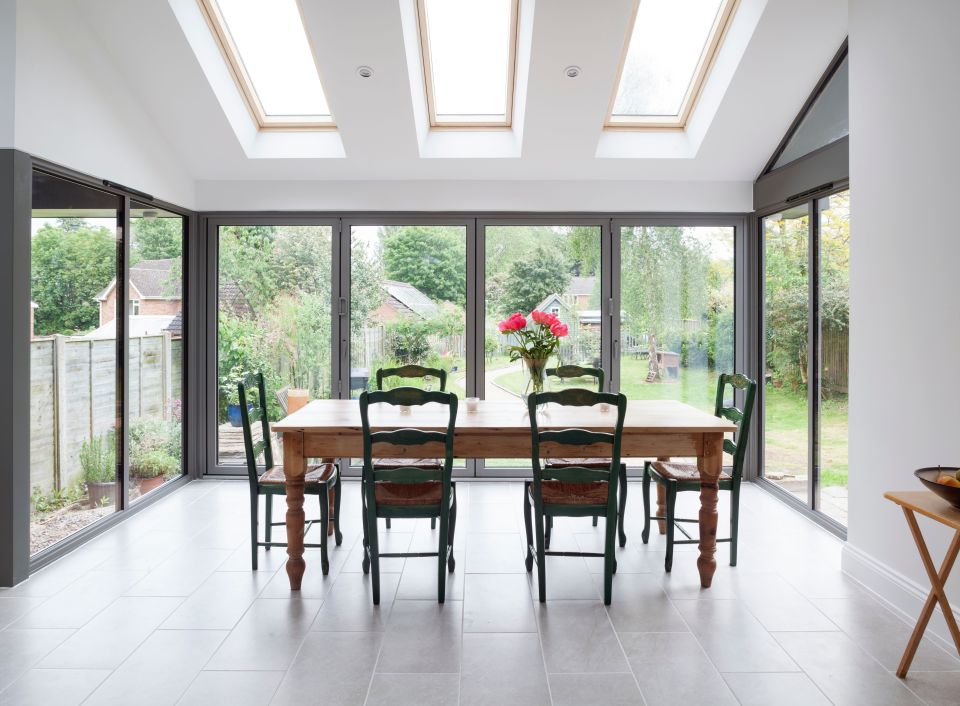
{"x": 8, "y": 63}
{"x": 904, "y": 282}
{"x": 452, "y": 195}
{"x": 74, "y": 108}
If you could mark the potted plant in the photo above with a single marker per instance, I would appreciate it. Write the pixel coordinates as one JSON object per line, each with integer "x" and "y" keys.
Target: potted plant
{"x": 152, "y": 468}
{"x": 98, "y": 464}
{"x": 230, "y": 394}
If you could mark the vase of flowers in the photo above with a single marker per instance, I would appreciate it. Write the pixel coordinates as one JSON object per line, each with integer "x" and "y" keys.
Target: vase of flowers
{"x": 535, "y": 343}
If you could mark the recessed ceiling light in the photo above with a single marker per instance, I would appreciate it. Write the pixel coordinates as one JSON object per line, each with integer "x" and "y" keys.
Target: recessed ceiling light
{"x": 364, "y": 71}
{"x": 571, "y": 71}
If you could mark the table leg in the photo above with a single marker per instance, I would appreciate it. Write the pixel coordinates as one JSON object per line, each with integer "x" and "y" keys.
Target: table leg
{"x": 294, "y": 468}
{"x": 710, "y": 464}
{"x": 662, "y": 500}
{"x": 936, "y": 595}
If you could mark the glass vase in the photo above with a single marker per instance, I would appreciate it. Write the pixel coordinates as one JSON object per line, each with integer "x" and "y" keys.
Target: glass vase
{"x": 536, "y": 375}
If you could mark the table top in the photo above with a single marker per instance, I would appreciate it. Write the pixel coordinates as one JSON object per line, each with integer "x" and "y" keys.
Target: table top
{"x": 927, "y": 504}
{"x": 494, "y": 416}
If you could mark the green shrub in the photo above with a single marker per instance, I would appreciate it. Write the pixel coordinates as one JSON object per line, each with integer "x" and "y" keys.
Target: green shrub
{"x": 98, "y": 459}
{"x": 154, "y": 463}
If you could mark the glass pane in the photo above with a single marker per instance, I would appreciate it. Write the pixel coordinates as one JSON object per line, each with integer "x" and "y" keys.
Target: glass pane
{"x": 408, "y": 296}
{"x": 74, "y": 395}
{"x": 274, "y": 51}
{"x": 834, "y": 353}
{"x": 273, "y": 317}
{"x": 786, "y": 313}
{"x": 553, "y": 269}
{"x": 826, "y": 121}
{"x": 668, "y": 40}
{"x": 469, "y": 49}
{"x": 155, "y": 331}
{"x": 676, "y": 332}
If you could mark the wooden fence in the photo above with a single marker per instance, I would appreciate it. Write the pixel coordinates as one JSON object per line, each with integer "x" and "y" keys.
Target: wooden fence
{"x": 835, "y": 360}
{"x": 73, "y": 396}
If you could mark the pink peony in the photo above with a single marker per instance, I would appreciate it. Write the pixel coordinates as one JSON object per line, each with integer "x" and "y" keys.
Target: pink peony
{"x": 514, "y": 322}
{"x": 559, "y": 330}
{"x": 540, "y": 317}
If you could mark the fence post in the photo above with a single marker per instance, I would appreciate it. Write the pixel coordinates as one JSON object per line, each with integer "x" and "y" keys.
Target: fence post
{"x": 166, "y": 363}
{"x": 59, "y": 393}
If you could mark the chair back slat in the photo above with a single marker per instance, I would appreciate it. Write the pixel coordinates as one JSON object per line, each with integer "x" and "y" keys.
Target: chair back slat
{"x": 741, "y": 417}
{"x": 412, "y": 371}
{"x": 409, "y": 474}
{"x": 580, "y": 438}
{"x": 253, "y": 408}
{"x": 406, "y": 437}
{"x": 577, "y": 371}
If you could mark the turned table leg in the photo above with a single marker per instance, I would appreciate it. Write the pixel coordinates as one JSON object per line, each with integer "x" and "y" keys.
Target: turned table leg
{"x": 937, "y": 594}
{"x": 662, "y": 501}
{"x": 710, "y": 464}
{"x": 294, "y": 468}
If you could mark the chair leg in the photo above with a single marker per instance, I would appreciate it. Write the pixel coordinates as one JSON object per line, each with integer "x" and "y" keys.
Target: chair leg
{"x": 337, "y": 492}
{"x": 609, "y": 560}
{"x": 734, "y": 522}
{"x": 433, "y": 523}
{"x": 388, "y": 523}
{"x": 623, "y": 504}
{"x": 365, "y": 563}
{"x": 374, "y": 550}
{"x": 541, "y": 549}
{"x": 645, "y": 536}
{"x": 442, "y": 548}
{"x": 527, "y": 524}
{"x": 451, "y": 562}
{"x": 324, "y": 523}
{"x": 546, "y": 535}
{"x": 254, "y": 513}
{"x": 268, "y": 529}
{"x": 594, "y": 520}
{"x": 671, "y": 500}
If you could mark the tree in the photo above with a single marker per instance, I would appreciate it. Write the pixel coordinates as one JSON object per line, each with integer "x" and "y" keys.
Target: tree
{"x": 431, "y": 258}
{"x": 156, "y": 239}
{"x": 531, "y": 279}
{"x": 69, "y": 268}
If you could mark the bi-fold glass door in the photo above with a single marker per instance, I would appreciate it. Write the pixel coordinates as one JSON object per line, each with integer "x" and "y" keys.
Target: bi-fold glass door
{"x": 805, "y": 282}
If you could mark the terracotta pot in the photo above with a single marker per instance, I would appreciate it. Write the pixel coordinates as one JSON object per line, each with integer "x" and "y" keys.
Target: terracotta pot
{"x": 148, "y": 484}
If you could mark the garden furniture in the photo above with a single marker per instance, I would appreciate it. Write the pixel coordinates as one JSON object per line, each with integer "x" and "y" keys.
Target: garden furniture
{"x": 673, "y": 478}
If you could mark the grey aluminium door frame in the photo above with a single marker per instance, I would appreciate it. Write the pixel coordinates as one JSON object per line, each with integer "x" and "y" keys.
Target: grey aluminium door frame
{"x": 349, "y": 221}
{"x": 211, "y": 229}
{"x": 744, "y": 298}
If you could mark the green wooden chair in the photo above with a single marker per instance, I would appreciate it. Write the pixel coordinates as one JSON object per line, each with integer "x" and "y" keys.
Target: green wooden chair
{"x": 408, "y": 372}
{"x": 320, "y": 480}
{"x": 408, "y": 490}
{"x": 573, "y": 491}
{"x": 575, "y": 371}
{"x": 678, "y": 477}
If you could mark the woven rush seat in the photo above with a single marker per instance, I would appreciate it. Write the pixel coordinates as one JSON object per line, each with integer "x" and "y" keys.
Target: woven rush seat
{"x": 598, "y": 463}
{"x": 315, "y": 474}
{"x": 389, "y": 464}
{"x": 557, "y": 492}
{"x": 405, "y": 494}
{"x": 682, "y": 472}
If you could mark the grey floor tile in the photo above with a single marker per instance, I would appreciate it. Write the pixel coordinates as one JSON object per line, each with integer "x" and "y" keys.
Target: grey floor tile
{"x": 497, "y": 603}
{"x": 576, "y": 636}
{"x": 609, "y": 689}
{"x": 78, "y": 603}
{"x": 331, "y": 668}
{"x": 107, "y": 640}
{"x": 181, "y": 574}
{"x": 639, "y": 604}
{"x": 568, "y": 578}
{"x": 493, "y": 517}
{"x": 672, "y": 668}
{"x": 734, "y": 640}
{"x": 763, "y": 689}
{"x": 492, "y": 553}
{"x": 392, "y": 541}
{"x": 414, "y": 690}
{"x": 422, "y": 637}
{"x": 233, "y": 688}
{"x": 884, "y": 635}
{"x": 13, "y": 608}
{"x": 21, "y": 649}
{"x": 503, "y": 669}
{"x": 43, "y": 687}
{"x": 219, "y": 603}
{"x": 419, "y": 579}
{"x": 51, "y": 579}
{"x": 160, "y": 670}
{"x": 268, "y": 636}
{"x": 935, "y": 688}
{"x": 349, "y": 606}
{"x": 843, "y": 671}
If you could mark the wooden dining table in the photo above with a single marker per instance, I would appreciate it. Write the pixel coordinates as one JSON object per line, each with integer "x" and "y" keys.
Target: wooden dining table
{"x": 660, "y": 429}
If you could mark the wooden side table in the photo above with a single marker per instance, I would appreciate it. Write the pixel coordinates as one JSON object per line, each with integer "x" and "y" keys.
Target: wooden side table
{"x": 929, "y": 505}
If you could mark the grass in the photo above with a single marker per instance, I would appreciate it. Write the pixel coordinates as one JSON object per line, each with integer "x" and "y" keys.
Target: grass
{"x": 786, "y": 415}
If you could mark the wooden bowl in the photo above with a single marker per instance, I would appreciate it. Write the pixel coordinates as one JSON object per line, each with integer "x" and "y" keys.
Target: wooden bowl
{"x": 928, "y": 477}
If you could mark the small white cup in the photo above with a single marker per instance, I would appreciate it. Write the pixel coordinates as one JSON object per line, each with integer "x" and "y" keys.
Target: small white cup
{"x": 404, "y": 409}
{"x": 604, "y": 408}
{"x": 472, "y": 403}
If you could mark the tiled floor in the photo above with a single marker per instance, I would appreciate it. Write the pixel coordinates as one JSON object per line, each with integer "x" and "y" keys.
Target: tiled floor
{"x": 164, "y": 609}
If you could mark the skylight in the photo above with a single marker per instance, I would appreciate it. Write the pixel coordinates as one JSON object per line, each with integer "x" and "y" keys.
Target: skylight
{"x": 668, "y": 55}
{"x": 267, "y": 49}
{"x": 469, "y": 49}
